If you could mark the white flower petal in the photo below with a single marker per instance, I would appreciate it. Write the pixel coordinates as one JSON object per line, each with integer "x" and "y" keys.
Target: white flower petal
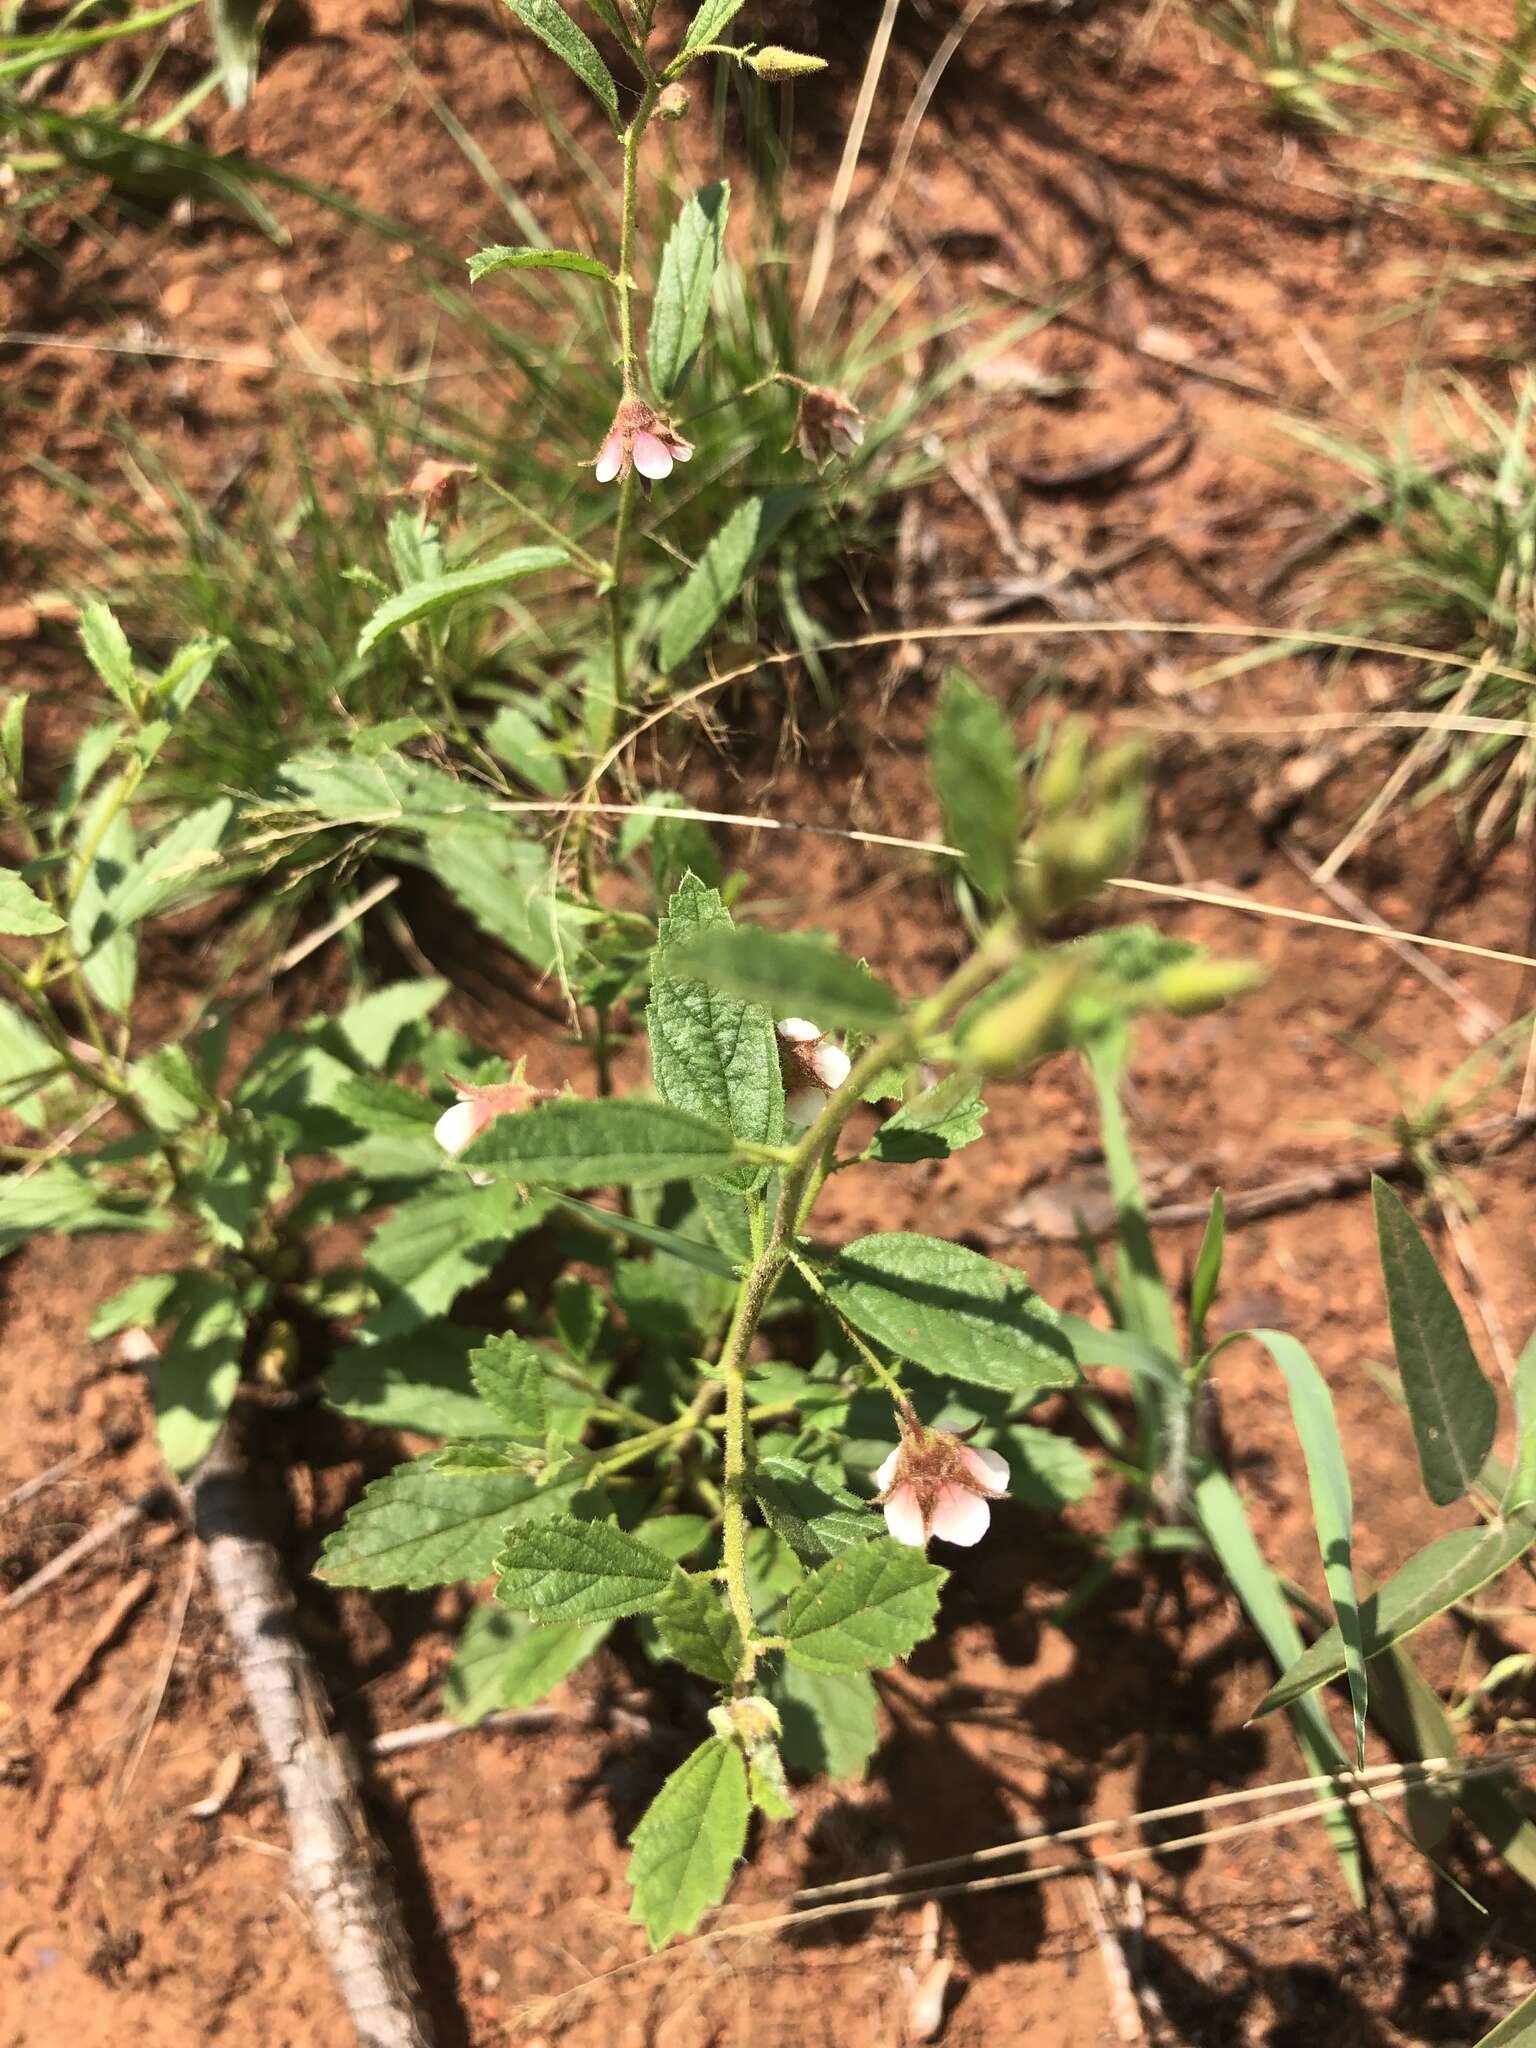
{"x": 831, "y": 1065}
{"x": 610, "y": 459}
{"x": 959, "y": 1516}
{"x": 886, "y": 1470}
{"x": 802, "y": 1106}
{"x": 460, "y": 1126}
{"x": 682, "y": 451}
{"x": 904, "y": 1518}
{"x": 988, "y": 1467}
{"x": 798, "y": 1030}
{"x": 653, "y": 458}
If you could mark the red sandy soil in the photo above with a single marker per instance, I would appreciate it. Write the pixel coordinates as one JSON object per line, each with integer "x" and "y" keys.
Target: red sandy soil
{"x": 1246, "y": 268}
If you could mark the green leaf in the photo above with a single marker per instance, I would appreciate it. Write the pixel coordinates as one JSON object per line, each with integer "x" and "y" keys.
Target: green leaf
{"x": 198, "y": 1372}
{"x": 418, "y": 1380}
{"x": 385, "y": 1109}
{"x": 813, "y": 1519}
{"x": 510, "y": 888}
{"x": 791, "y": 974}
{"x": 828, "y": 1718}
{"x": 500, "y": 256}
{"x": 565, "y": 1570}
{"x": 371, "y": 1026}
{"x": 556, "y": 31}
{"x": 961, "y": 1315}
{"x": 425, "y": 600}
{"x": 28, "y": 1064}
{"x": 21, "y": 913}
{"x": 578, "y": 1144}
{"x": 13, "y": 742}
{"x": 509, "y": 1372}
{"x": 976, "y": 770}
{"x": 691, "y": 612}
{"x": 692, "y": 1253}
{"x": 1046, "y": 1470}
{"x": 422, "y": 1525}
{"x": 699, "y": 1629}
{"x": 1516, "y": 2029}
{"x": 527, "y": 749}
{"x": 868, "y": 1606}
{"x": 504, "y": 1662}
{"x": 680, "y": 313}
{"x": 690, "y": 1841}
{"x": 707, "y": 25}
{"x": 62, "y": 1198}
{"x": 1448, "y": 1570}
{"x": 712, "y": 1054}
{"x": 179, "y": 864}
{"x": 1450, "y": 1404}
{"x": 109, "y": 954}
{"x": 932, "y": 1125}
{"x": 439, "y": 1243}
{"x": 1207, "y": 1278}
{"x": 1224, "y": 1522}
{"x": 1522, "y": 1482}
{"x": 1317, "y": 1428}
{"x": 237, "y": 42}
{"x": 141, "y": 1304}
{"x": 107, "y": 650}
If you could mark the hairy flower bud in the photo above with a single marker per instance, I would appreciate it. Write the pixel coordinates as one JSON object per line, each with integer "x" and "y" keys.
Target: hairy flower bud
{"x": 1026, "y": 1026}
{"x": 933, "y": 1484}
{"x": 1191, "y": 986}
{"x": 826, "y": 424}
{"x": 674, "y": 102}
{"x": 772, "y": 61}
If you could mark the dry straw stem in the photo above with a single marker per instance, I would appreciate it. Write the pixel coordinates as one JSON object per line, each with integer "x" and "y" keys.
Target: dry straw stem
{"x": 837, "y": 200}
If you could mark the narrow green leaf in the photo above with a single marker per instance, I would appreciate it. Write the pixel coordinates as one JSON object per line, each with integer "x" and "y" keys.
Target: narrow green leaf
{"x": 108, "y": 952}
{"x": 107, "y": 649}
{"x": 712, "y": 1054}
{"x": 237, "y": 42}
{"x": 676, "y": 1246}
{"x": 23, "y": 914}
{"x": 1224, "y": 1522}
{"x": 556, "y": 30}
{"x": 1317, "y": 1428}
{"x": 500, "y": 256}
{"x": 791, "y": 974}
{"x": 509, "y": 1372}
{"x": 505, "y": 1662}
{"x": 1522, "y": 1481}
{"x": 868, "y": 1606}
{"x": 1450, "y": 1404}
{"x": 565, "y": 1570}
{"x": 579, "y": 1144}
{"x": 974, "y": 760}
{"x": 1516, "y": 2030}
{"x": 1207, "y": 1278}
{"x": 961, "y": 1315}
{"x": 829, "y": 1726}
{"x": 709, "y": 23}
{"x": 680, "y": 314}
{"x": 421, "y": 1525}
{"x": 690, "y": 1841}
{"x": 699, "y": 1629}
{"x": 425, "y": 600}
{"x": 1448, "y": 1570}
{"x": 692, "y": 611}
{"x": 198, "y": 1372}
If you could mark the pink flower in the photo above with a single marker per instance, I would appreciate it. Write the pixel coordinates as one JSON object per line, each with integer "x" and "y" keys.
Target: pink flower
{"x": 642, "y": 440}
{"x": 812, "y": 1066}
{"x": 457, "y": 1128}
{"x": 932, "y": 1484}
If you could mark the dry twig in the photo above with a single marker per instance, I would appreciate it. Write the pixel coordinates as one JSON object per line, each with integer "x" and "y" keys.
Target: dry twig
{"x": 105, "y": 1531}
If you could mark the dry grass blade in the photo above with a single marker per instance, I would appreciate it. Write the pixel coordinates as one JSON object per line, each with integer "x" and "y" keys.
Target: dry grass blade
{"x": 131, "y": 1596}
{"x": 820, "y": 268}
{"x": 105, "y": 1531}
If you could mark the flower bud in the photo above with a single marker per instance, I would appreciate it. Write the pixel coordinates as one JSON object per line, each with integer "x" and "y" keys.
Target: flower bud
{"x": 1024, "y": 1027}
{"x": 1075, "y": 856}
{"x": 1061, "y": 779}
{"x": 674, "y": 102}
{"x": 1191, "y": 986}
{"x": 774, "y": 62}
{"x": 1119, "y": 768}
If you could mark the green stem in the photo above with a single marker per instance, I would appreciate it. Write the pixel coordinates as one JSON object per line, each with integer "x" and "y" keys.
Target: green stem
{"x": 802, "y": 1177}
{"x": 596, "y": 569}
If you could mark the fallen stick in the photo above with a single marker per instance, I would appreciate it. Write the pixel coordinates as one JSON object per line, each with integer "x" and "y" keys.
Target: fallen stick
{"x": 336, "y": 1868}
{"x": 519, "y": 1721}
